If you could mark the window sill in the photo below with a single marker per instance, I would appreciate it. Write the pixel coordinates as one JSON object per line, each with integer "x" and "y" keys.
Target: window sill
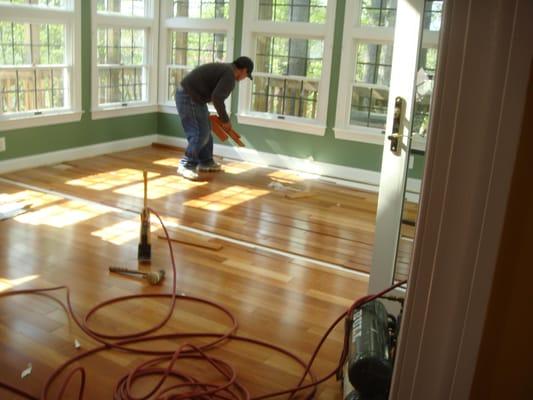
{"x": 285, "y": 124}
{"x": 114, "y": 112}
{"x": 31, "y": 121}
{"x": 360, "y": 134}
{"x": 169, "y": 108}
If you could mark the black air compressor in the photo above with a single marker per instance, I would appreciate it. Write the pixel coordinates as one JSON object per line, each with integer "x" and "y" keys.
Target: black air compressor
{"x": 372, "y": 334}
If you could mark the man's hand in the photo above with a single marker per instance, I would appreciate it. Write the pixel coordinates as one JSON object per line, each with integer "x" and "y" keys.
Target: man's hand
{"x": 226, "y": 125}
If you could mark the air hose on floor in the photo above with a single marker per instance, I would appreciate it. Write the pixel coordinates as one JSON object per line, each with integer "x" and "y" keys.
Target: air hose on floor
{"x": 163, "y": 363}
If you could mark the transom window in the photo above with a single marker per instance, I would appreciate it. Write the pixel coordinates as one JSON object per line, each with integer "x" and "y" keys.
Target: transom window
{"x": 378, "y": 13}
{"x": 38, "y": 3}
{"x": 205, "y": 9}
{"x": 293, "y": 10}
{"x": 135, "y": 8}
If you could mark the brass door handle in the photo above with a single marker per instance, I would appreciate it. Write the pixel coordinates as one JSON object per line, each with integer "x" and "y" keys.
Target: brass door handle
{"x": 397, "y": 125}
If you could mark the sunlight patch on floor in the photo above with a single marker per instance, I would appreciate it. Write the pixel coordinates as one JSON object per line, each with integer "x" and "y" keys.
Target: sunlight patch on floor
{"x": 121, "y": 232}
{"x": 61, "y": 215}
{"x": 32, "y": 197}
{"x": 6, "y": 284}
{"x": 160, "y": 187}
{"x": 168, "y": 162}
{"x": 226, "y": 198}
{"x": 237, "y": 167}
{"x": 111, "y": 179}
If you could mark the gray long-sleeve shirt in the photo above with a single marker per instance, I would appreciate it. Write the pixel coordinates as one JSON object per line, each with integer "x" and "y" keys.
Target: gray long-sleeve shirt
{"x": 211, "y": 82}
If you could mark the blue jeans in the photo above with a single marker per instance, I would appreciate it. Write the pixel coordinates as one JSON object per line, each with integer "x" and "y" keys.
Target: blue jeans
{"x": 195, "y": 121}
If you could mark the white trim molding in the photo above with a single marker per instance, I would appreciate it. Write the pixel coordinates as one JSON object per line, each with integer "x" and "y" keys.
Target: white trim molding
{"x": 131, "y": 109}
{"x": 76, "y": 153}
{"x": 473, "y": 141}
{"x": 40, "y": 120}
{"x": 286, "y": 123}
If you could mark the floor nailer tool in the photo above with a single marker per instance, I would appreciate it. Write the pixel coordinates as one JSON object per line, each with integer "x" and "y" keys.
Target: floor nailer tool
{"x": 144, "y": 253}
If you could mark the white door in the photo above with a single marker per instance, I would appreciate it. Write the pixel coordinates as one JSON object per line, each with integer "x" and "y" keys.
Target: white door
{"x": 410, "y": 89}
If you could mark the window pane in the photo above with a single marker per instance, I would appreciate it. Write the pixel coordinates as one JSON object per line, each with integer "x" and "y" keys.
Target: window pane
{"x": 49, "y": 44}
{"x": 195, "y": 48}
{"x": 50, "y": 89}
{"x": 121, "y": 85}
{"x": 25, "y": 44}
{"x": 288, "y": 56}
{"x": 424, "y": 90}
{"x": 38, "y": 3}
{"x": 6, "y": 48}
{"x": 433, "y": 15}
{"x": 134, "y": 8}
{"x": 206, "y": 9}
{"x": 120, "y": 46}
{"x": 26, "y": 90}
{"x": 8, "y": 91}
{"x": 313, "y": 11}
{"x": 378, "y": 13}
{"x": 369, "y": 107}
{"x": 374, "y": 63}
{"x": 175, "y": 75}
{"x": 370, "y": 88}
{"x": 296, "y": 98}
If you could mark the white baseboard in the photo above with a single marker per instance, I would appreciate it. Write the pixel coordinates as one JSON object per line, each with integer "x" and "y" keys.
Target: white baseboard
{"x": 346, "y": 176}
{"x": 76, "y": 153}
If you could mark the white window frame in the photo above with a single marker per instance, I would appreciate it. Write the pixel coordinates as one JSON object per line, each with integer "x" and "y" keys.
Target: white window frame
{"x": 352, "y": 35}
{"x": 188, "y": 24}
{"x": 70, "y": 16}
{"x": 150, "y": 24}
{"x": 252, "y": 27}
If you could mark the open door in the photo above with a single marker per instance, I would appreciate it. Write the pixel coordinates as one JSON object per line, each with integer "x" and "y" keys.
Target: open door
{"x": 413, "y": 65}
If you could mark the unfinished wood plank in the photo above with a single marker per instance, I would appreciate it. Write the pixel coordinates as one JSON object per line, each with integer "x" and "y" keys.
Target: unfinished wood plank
{"x": 190, "y": 240}
{"x": 298, "y": 194}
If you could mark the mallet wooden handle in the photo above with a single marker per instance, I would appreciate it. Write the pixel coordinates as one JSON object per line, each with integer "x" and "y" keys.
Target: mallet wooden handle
{"x": 126, "y": 271}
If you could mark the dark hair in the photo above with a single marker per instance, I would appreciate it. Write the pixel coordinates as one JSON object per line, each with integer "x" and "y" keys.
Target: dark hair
{"x": 244, "y": 62}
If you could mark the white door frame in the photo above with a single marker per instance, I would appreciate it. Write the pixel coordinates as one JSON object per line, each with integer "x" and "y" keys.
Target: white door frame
{"x": 406, "y": 46}
{"x": 485, "y": 55}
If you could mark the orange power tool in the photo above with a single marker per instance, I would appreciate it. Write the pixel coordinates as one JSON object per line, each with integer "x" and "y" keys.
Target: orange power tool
{"x": 223, "y": 134}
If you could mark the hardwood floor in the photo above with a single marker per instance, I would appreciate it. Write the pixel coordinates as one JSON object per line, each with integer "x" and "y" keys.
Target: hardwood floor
{"x": 275, "y": 290}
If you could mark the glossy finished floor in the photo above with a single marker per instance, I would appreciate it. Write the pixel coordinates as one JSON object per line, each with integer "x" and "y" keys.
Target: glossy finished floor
{"x": 75, "y": 230}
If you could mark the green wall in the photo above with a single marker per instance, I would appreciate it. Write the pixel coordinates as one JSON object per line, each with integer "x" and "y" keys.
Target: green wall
{"x": 32, "y": 141}
{"x": 327, "y": 149}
